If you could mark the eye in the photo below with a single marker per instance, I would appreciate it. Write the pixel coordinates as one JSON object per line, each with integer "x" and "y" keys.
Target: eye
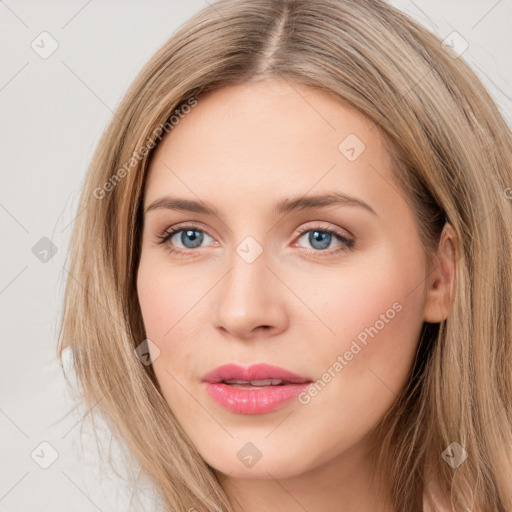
{"x": 321, "y": 239}
{"x": 190, "y": 236}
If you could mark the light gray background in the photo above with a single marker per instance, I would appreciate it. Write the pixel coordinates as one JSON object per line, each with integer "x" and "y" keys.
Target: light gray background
{"x": 53, "y": 111}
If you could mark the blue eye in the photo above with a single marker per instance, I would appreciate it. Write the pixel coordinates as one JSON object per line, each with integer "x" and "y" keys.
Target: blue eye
{"x": 321, "y": 238}
{"x": 191, "y": 238}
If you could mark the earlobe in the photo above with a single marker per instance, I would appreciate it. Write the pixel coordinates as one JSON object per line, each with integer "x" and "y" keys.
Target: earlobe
{"x": 441, "y": 279}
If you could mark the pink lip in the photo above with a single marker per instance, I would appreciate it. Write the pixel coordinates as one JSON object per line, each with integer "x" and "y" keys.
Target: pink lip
{"x": 260, "y": 399}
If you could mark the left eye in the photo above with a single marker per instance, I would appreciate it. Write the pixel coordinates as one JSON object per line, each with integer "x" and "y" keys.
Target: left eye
{"x": 321, "y": 239}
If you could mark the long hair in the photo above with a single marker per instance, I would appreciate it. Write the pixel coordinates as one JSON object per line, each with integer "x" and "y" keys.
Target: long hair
{"x": 452, "y": 155}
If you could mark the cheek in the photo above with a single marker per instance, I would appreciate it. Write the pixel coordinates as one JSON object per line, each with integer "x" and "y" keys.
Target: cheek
{"x": 166, "y": 303}
{"x": 172, "y": 306}
{"x": 165, "y": 298}
{"x": 376, "y": 317}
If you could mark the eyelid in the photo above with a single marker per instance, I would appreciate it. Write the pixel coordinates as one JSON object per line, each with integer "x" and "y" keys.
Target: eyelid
{"x": 320, "y": 225}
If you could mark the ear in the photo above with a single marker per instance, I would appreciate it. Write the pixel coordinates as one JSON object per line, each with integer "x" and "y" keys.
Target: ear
{"x": 441, "y": 278}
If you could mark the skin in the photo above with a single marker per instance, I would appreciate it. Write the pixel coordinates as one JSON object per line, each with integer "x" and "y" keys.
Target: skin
{"x": 241, "y": 149}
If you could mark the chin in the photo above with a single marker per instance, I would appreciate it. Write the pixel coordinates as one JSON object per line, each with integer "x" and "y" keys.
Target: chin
{"x": 265, "y": 468}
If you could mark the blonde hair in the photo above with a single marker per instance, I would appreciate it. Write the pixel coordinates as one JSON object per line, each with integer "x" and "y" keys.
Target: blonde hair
{"x": 452, "y": 153}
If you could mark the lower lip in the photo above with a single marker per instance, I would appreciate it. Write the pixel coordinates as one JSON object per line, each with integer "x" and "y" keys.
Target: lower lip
{"x": 253, "y": 401}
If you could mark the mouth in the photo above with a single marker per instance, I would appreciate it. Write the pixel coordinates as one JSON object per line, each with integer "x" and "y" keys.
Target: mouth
{"x": 255, "y": 384}
{"x": 257, "y": 389}
{"x": 258, "y": 375}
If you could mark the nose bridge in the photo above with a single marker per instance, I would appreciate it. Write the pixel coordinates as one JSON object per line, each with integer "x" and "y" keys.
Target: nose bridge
{"x": 247, "y": 298}
{"x": 248, "y": 281}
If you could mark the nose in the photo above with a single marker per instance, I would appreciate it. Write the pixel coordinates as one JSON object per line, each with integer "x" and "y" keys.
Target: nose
{"x": 250, "y": 301}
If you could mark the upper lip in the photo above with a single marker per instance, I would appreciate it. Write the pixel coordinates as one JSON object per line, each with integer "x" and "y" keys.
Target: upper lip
{"x": 254, "y": 372}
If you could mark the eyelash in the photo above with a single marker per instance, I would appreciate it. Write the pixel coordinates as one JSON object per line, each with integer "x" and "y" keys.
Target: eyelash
{"x": 167, "y": 235}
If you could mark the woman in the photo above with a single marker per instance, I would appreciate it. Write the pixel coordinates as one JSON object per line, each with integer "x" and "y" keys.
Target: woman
{"x": 292, "y": 277}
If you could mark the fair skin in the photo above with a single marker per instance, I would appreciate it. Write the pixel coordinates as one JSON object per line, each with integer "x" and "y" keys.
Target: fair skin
{"x": 298, "y": 306}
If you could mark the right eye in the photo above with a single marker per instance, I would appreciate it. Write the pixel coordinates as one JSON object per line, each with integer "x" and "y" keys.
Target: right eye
{"x": 189, "y": 236}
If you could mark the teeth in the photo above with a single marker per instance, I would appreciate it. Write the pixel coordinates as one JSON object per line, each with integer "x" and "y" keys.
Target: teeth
{"x": 266, "y": 382}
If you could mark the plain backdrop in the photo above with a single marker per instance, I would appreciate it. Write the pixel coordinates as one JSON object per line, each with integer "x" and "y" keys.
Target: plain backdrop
{"x": 53, "y": 111}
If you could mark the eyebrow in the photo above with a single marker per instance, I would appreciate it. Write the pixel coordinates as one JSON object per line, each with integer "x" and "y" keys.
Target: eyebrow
{"x": 282, "y": 206}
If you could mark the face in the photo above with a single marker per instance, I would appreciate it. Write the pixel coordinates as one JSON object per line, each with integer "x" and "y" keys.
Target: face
{"x": 330, "y": 290}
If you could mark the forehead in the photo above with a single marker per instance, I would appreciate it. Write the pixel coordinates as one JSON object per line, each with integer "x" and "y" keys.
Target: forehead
{"x": 267, "y": 138}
